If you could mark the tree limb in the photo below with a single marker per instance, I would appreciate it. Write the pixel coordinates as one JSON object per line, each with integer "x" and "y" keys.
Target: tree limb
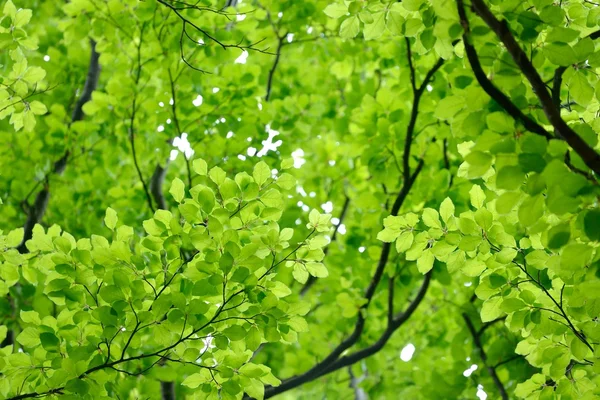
{"x": 486, "y": 84}
{"x": 37, "y": 211}
{"x": 589, "y": 156}
{"x": 333, "y": 361}
{"x": 274, "y": 67}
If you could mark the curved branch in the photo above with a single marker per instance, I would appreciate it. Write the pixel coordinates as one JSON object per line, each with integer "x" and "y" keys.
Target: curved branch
{"x": 589, "y": 156}
{"x": 496, "y": 94}
{"x": 395, "y": 324}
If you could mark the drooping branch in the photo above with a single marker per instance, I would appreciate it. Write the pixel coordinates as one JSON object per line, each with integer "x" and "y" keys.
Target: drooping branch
{"x": 486, "y": 84}
{"x": 311, "y": 280}
{"x": 589, "y": 156}
{"x": 476, "y": 335}
{"x": 38, "y": 209}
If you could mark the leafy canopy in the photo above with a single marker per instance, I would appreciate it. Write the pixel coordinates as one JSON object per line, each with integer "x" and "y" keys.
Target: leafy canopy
{"x": 249, "y": 199}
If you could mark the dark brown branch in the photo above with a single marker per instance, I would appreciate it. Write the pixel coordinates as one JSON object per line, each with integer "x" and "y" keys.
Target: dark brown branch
{"x": 348, "y": 360}
{"x": 556, "y": 83}
{"x": 37, "y": 211}
{"x": 156, "y": 183}
{"x": 395, "y": 324}
{"x": 273, "y": 68}
{"x": 333, "y": 360}
{"x": 486, "y": 84}
{"x": 311, "y": 280}
{"x": 491, "y": 369}
{"x": 587, "y": 153}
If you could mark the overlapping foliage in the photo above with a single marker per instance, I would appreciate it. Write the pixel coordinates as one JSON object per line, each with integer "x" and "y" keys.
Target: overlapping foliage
{"x": 341, "y": 179}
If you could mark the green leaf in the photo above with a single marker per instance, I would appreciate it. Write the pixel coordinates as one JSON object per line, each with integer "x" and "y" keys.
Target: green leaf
{"x": 477, "y": 196}
{"x": 235, "y": 332}
{"x": 511, "y": 305}
{"x": 491, "y": 309}
{"x": 388, "y": 235}
{"x": 300, "y": 273}
{"x": 560, "y": 54}
{"x": 425, "y": 261}
{"x": 404, "y": 241}
{"x": 10, "y": 9}
{"x": 217, "y": 175}
{"x": 29, "y": 337}
{"x": 446, "y": 209}
{"x": 336, "y": 10}
{"x": 31, "y": 317}
{"x": 317, "y": 269}
{"x": 197, "y": 379}
{"x": 376, "y": 28}
{"x": 110, "y": 219}
{"x": 431, "y": 218}
{"x": 591, "y": 224}
{"x": 510, "y": 178}
{"x": 261, "y": 173}
{"x": 559, "y": 236}
{"x": 350, "y": 27}
{"x": 177, "y": 190}
{"x": 200, "y": 167}
{"x": 49, "y": 341}
{"x": 395, "y": 22}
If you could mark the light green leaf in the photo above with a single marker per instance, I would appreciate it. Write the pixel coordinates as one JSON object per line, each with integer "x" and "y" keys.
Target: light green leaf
{"x": 374, "y": 30}
{"x": 431, "y": 218}
{"x": 336, "y": 10}
{"x": 446, "y": 209}
{"x": 350, "y": 27}
{"x": 261, "y": 173}
{"x": 477, "y": 196}
{"x": 200, "y": 167}
{"x": 110, "y": 219}
{"x": 425, "y": 261}
{"x": 177, "y": 189}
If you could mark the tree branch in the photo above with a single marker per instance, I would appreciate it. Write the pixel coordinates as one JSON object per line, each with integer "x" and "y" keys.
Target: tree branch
{"x": 274, "y": 67}
{"x": 589, "y": 156}
{"x": 487, "y": 85}
{"x": 37, "y": 211}
{"x": 333, "y": 360}
{"x": 348, "y": 360}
